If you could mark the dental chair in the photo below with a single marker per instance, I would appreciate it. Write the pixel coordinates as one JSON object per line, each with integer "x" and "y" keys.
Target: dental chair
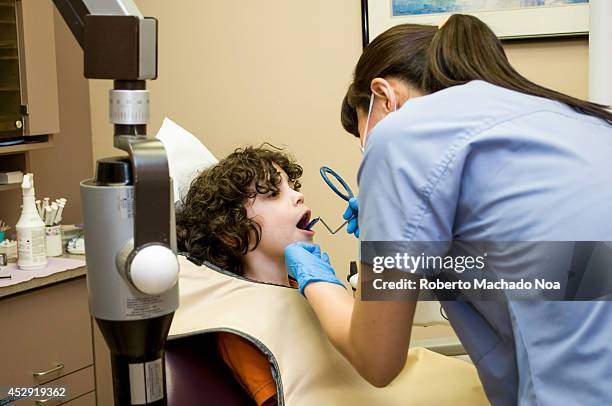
{"x": 197, "y": 375}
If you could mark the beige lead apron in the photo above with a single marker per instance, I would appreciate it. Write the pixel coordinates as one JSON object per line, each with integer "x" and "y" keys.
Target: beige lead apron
{"x": 311, "y": 371}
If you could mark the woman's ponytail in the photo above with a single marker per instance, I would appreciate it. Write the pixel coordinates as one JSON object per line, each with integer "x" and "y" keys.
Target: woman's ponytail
{"x": 466, "y": 49}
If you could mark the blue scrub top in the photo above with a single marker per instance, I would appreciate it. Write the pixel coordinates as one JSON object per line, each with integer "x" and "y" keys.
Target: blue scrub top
{"x": 480, "y": 162}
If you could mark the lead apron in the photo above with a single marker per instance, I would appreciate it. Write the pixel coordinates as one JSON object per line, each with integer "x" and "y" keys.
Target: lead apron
{"x": 312, "y": 372}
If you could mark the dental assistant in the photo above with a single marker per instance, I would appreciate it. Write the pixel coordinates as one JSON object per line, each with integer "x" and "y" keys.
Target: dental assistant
{"x": 460, "y": 146}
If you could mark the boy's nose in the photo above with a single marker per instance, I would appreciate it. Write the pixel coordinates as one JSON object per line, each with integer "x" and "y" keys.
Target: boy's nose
{"x": 299, "y": 198}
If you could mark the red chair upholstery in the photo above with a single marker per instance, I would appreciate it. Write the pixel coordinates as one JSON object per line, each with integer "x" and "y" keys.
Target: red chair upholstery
{"x": 196, "y": 374}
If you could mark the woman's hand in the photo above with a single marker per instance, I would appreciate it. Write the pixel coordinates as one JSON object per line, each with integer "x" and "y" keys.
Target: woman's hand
{"x": 306, "y": 264}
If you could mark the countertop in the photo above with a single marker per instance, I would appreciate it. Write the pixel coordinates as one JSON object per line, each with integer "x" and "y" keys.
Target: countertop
{"x": 47, "y": 280}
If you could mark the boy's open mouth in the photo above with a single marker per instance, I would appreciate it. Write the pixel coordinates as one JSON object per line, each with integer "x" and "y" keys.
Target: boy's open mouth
{"x": 304, "y": 221}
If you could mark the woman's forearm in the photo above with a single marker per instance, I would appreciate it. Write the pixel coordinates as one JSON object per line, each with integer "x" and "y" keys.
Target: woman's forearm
{"x": 333, "y": 307}
{"x": 373, "y": 336}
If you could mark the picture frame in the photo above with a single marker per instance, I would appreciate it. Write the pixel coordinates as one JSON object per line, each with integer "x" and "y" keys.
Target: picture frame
{"x": 509, "y": 21}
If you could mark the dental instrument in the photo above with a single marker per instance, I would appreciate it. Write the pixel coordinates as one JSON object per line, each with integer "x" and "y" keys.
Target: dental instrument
{"x": 314, "y": 221}
{"x": 58, "y": 215}
{"x": 39, "y": 208}
{"x": 53, "y": 214}
{"x": 324, "y": 171}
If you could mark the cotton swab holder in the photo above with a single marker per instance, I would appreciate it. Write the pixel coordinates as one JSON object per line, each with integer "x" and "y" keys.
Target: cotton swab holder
{"x": 53, "y": 240}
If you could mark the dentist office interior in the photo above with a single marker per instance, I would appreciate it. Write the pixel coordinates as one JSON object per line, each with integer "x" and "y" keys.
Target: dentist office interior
{"x": 218, "y": 76}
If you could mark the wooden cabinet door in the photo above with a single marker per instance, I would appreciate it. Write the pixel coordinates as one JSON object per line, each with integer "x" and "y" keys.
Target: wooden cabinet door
{"x": 38, "y": 69}
{"x": 46, "y": 334}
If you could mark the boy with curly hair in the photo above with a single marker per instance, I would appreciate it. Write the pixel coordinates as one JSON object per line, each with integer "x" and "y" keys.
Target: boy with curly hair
{"x": 240, "y": 215}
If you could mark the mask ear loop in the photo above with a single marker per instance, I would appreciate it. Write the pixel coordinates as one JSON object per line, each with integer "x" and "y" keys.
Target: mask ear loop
{"x": 367, "y": 123}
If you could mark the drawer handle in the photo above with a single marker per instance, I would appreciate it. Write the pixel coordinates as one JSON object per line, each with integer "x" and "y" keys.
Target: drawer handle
{"x": 57, "y": 368}
{"x": 45, "y": 402}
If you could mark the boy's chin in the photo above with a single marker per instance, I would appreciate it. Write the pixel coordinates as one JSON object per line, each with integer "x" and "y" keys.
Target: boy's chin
{"x": 304, "y": 238}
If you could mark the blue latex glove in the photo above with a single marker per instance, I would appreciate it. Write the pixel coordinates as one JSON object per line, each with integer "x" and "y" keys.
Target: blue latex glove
{"x": 305, "y": 263}
{"x": 352, "y": 213}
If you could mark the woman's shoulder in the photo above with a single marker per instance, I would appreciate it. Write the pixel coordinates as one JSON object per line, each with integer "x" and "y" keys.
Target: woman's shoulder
{"x": 439, "y": 125}
{"x": 459, "y": 110}
{"x": 444, "y": 115}
{"x": 480, "y": 98}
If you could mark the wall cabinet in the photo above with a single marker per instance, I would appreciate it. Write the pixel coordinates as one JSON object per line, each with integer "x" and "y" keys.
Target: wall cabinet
{"x": 29, "y": 110}
{"x": 28, "y": 72}
{"x": 11, "y": 120}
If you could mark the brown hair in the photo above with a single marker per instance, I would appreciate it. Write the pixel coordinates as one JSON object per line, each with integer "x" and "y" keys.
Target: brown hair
{"x": 212, "y": 224}
{"x": 431, "y": 59}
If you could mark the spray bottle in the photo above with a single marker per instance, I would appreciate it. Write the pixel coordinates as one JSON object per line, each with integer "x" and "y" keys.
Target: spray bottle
{"x": 30, "y": 228}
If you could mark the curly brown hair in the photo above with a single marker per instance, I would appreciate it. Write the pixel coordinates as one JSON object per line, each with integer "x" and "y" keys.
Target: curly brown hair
{"x": 213, "y": 225}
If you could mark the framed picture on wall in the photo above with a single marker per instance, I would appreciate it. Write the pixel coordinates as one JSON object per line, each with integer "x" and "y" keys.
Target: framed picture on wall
{"x": 507, "y": 18}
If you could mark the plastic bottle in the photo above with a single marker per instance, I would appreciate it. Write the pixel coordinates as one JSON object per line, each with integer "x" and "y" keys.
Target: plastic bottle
{"x": 30, "y": 228}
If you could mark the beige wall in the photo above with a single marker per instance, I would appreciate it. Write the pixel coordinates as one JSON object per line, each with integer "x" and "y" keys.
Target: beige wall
{"x": 562, "y": 64}
{"x": 59, "y": 170}
{"x": 276, "y": 71}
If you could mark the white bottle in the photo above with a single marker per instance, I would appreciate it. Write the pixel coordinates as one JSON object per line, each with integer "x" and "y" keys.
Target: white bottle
{"x": 31, "y": 250}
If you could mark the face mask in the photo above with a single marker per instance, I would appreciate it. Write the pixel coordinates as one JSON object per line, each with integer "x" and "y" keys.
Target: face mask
{"x": 365, "y": 131}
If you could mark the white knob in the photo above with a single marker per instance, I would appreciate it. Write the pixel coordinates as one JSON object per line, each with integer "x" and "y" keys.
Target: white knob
{"x": 354, "y": 280}
{"x": 154, "y": 270}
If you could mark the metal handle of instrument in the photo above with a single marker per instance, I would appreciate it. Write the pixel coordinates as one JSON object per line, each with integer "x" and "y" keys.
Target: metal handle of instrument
{"x": 337, "y": 229}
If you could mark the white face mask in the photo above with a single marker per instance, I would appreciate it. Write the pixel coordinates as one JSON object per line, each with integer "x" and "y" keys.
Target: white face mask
{"x": 367, "y": 123}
